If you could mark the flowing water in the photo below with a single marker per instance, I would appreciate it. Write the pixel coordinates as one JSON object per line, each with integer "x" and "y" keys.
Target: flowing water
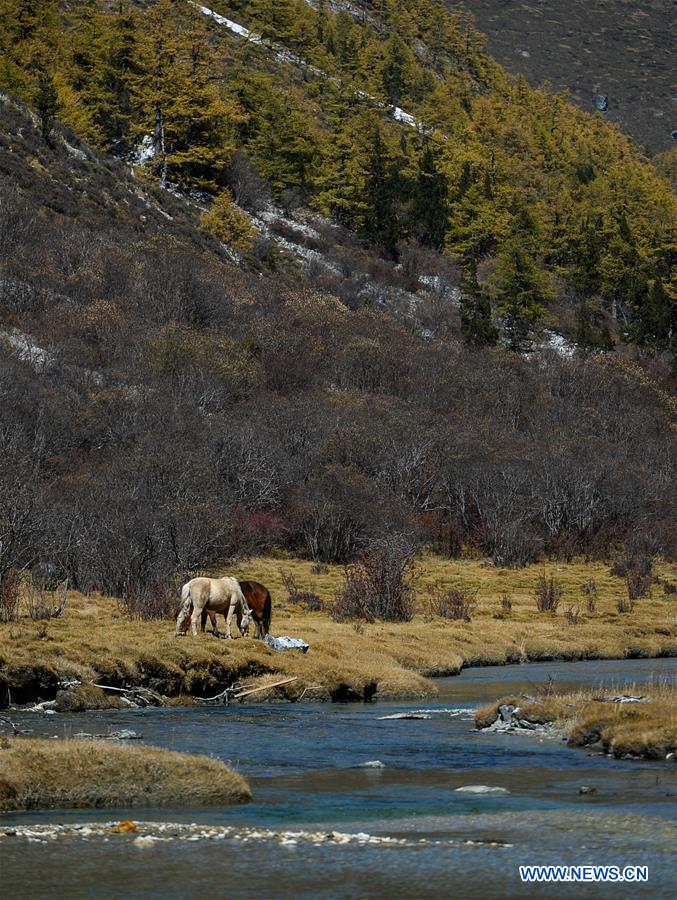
{"x": 305, "y": 764}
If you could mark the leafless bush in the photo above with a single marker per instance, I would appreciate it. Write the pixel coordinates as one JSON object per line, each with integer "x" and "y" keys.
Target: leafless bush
{"x": 669, "y": 587}
{"x": 154, "y": 600}
{"x": 308, "y": 599}
{"x": 572, "y": 614}
{"x": 625, "y": 604}
{"x": 251, "y": 191}
{"x": 506, "y": 603}
{"x": 590, "y": 591}
{"x": 633, "y": 561}
{"x": 319, "y": 569}
{"x": 638, "y": 584}
{"x": 9, "y": 597}
{"x": 454, "y": 603}
{"x": 548, "y": 594}
{"x": 379, "y": 586}
{"x": 44, "y": 603}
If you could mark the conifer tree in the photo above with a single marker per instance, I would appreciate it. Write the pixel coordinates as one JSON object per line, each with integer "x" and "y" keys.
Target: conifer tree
{"x": 430, "y": 205}
{"x": 477, "y": 327}
{"x": 180, "y": 96}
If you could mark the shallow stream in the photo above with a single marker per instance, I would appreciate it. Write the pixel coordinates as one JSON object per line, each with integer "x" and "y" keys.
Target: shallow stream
{"x": 305, "y": 763}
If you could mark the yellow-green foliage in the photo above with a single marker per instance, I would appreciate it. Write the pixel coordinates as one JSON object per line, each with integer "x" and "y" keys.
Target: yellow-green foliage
{"x": 601, "y": 215}
{"x": 228, "y": 223}
{"x": 181, "y": 351}
{"x": 46, "y": 774}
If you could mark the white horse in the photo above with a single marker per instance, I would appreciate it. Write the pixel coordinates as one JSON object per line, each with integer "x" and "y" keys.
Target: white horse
{"x": 218, "y": 595}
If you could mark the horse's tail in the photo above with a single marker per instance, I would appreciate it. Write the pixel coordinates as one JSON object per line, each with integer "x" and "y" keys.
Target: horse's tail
{"x": 185, "y": 609}
{"x": 267, "y": 613}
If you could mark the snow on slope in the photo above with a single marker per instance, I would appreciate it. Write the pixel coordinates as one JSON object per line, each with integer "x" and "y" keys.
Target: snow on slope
{"x": 285, "y": 55}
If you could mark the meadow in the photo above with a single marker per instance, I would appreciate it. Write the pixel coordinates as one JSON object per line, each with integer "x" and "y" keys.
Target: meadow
{"x": 95, "y": 641}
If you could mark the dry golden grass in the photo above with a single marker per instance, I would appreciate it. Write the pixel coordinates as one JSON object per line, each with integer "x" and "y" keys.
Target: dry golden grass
{"x": 591, "y": 718}
{"x": 95, "y": 641}
{"x": 44, "y": 774}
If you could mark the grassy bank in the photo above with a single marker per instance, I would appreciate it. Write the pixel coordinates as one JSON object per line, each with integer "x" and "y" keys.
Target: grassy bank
{"x": 46, "y": 774}
{"x": 647, "y": 730}
{"x": 95, "y": 642}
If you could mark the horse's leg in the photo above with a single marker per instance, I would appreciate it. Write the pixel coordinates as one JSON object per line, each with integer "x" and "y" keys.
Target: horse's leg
{"x": 229, "y": 619}
{"x": 199, "y": 604}
{"x": 212, "y": 618}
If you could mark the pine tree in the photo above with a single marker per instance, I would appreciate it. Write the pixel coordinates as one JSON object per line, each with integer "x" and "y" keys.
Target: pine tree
{"x": 521, "y": 291}
{"x": 477, "y": 327}
{"x": 180, "y": 97}
{"x": 430, "y": 206}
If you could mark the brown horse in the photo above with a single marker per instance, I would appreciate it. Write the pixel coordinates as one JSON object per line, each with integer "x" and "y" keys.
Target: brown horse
{"x": 260, "y": 604}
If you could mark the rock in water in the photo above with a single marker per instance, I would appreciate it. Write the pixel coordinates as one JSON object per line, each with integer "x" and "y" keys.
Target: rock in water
{"x": 600, "y": 102}
{"x": 481, "y": 789}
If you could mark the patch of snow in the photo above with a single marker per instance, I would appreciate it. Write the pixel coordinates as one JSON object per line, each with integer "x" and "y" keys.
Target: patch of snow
{"x": 401, "y": 116}
{"x": 559, "y": 344}
{"x": 285, "y": 55}
{"x": 75, "y": 151}
{"x": 274, "y": 215}
{"x": 240, "y": 30}
{"x": 27, "y": 350}
{"x": 145, "y": 151}
{"x": 371, "y": 764}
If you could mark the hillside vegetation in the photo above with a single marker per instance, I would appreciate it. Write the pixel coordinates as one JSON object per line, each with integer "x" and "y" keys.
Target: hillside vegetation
{"x": 283, "y": 289}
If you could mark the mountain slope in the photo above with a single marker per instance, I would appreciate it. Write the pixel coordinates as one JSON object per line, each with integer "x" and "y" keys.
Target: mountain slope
{"x": 620, "y": 48}
{"x": 186, "y": 378}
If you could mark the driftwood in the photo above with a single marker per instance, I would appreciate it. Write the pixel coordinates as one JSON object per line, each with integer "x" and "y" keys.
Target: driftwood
{"x": 235, "y": 692}
{"x": 145, "y": 695}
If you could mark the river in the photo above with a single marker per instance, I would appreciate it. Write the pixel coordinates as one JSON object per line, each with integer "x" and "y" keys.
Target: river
{"x": 305, "y": 763}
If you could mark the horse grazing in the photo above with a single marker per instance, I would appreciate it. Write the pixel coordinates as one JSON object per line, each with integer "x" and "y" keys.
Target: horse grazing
{"x": 258, "y": 599}
{"x": 218, "y": 595}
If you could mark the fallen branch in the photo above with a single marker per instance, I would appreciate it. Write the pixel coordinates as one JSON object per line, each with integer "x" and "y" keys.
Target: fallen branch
{"x": 264, "y": 687}
{"x": 234, "y": 692}
{"x": 141, "y": 693}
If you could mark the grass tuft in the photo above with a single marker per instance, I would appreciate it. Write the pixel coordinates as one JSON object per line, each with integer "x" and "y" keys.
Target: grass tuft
{"x": 48, "y": 774}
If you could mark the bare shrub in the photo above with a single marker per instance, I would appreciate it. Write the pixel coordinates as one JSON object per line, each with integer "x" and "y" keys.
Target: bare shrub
{"x": 43, "y": 603}
{"x": 669, "y": 587}
{"x": 454, "y": 603}
{"x": 379, "y": 586}
{"x": 590, "y": 591}
{"x": 308, "y": 599}
{"x": 637, "y": 561}
{"x": 638, "y": 584}
{"x": 149, "y": 601}
{"x": 506, "y": 603}
{"x": 548, "y": 594}
{"x": 625, "y": 604}
{"x": 9, "y": 597}
{"x": 572, "y": 614}
{"x": 319, "y": 569}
